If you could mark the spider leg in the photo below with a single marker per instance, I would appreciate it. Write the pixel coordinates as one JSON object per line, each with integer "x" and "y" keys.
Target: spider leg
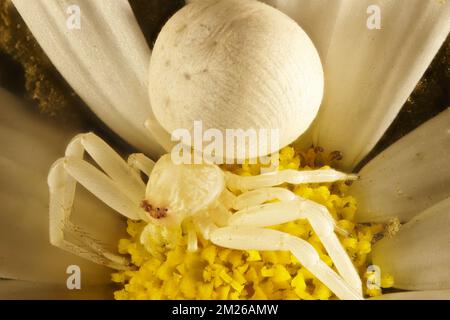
{"x": 141, "y": 163}
{"x": 281, "y": 212}
{"x": 109, "y": 161}
{"x": 205, "y": 224}
{"x": 254, "y": 238}
{"x": 275, "y": 178}
{"x": 62, "y": 180}
{"x": 103, "y": 187}
{"x": 192, "y": 245}
{"x": 259, "y": 196}
{"x": 164, "y": 139}
{"x": 227, "y": 198}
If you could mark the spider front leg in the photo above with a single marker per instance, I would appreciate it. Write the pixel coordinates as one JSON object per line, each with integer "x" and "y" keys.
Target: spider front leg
{"x": 120, "y": 188}
{"x": 292, "y": 207}
{"x": 254, "y": 238}
{"x": 141, "y": 163}
{"x": 276, "y": 178}
{"x": 258, "y": 196}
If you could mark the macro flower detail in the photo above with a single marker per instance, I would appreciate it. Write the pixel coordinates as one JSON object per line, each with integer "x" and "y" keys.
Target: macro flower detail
{"x": 250, "y": 274}
{"x": 330, "y": 221}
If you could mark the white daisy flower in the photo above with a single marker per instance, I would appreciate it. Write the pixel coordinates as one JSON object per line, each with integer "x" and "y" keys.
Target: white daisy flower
{"x": 369, "y": 74}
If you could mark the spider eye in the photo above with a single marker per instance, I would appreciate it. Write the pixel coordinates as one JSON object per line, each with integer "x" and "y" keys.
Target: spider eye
{"x": 146, "y": 206}
{"x": 155, "y": 212}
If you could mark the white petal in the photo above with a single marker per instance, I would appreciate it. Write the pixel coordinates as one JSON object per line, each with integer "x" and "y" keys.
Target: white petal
{"x": 418, "y": 256}
{"x": 106, "y": 61}
{"x": 29, "y": 146}
{"x": 416, "y": 295}
{"x": 25, "y": 290}
{"x": 409, "y": 176}
{"x": 369, "y": 74}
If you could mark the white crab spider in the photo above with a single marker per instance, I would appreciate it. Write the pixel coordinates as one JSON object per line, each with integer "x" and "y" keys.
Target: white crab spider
{"x": 200, "y": 193}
